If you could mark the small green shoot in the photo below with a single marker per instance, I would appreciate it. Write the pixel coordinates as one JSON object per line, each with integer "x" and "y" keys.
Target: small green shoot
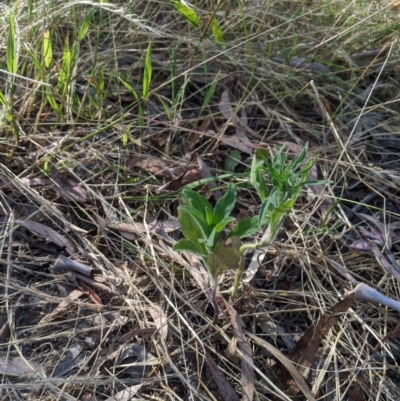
{"x": 217, "y": 32}
{"x": 47, "y": 49}
{"x": 12, "y": 60}
{"x": 186, "y": 12}
{"x": 148, "y": 69}
{"x": 205, "y": 228}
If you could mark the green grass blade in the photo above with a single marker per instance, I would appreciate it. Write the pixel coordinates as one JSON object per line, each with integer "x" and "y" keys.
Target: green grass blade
{"x": 11, "y": 46}
{"x": 209, "y": 93}
{"x": 148, "y": 69}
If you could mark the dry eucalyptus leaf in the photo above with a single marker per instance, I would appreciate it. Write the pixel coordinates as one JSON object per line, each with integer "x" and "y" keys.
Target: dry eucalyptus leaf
{"x": 127, "y": 394}
{"x": 302, "y": 385}
{"x": 160, "y": 320}
{"x": 21, "y": 367}
{"x": 74, "y": 358}
{"x": 225, "y": 388}
{"x": 62, "y": 306}
{"x": 247, "y": 370}
{"x": 68, "y": 188}
{"x": 49, "y": 234}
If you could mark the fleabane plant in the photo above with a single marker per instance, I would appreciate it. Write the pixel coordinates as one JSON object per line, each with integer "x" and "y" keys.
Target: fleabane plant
{"x": 205, "y": 227}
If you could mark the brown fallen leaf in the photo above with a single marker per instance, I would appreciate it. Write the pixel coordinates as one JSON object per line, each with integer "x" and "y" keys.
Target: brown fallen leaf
{"x": 247, "y": 370}
{"x": 94, "y": 283}
{"x": 172, "y": 185}
{"x": 393, "y": 334}
{"x": 161, "y": 167}
{"x": 75, "y": 294}
{"x": 206, "y": 173}
{"x": 226, "y": 109}
{"x": 160, "y": 320}
{"x": 302, "y": 385}
{"x": 225, "y": 388}
{"x": 68, "y": 188}
{"x": 48, "y": 233}
{"x": 305, "y": 350}
{"x": 90, "y": 293}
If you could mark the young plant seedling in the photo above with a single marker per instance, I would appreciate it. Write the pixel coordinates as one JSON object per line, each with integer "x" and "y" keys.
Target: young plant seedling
{"x": 204, "y": 227}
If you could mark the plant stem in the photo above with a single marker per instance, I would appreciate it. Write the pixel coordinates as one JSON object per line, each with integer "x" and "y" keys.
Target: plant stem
{"x": 214, "y": 300}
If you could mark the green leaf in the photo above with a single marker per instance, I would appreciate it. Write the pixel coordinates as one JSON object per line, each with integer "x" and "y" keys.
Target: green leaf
{"x": 198, "y": 202}
{"x": 66, "y": 70}
{"x": 245, "y": 228}
{"x": 225, "y": 204}
{"x": 257, "y": 179}
{"x": 295, "y": 163}
{"x": 209, "y": 216}
{"x": 264, "y": 211}
{"x": 185, "y": 245}
{"x": 211, "y": 240}
{"x": 220, "y": 226}
{"x": 192, "y": 224}
{"x": 286, "y": 207}
{"x": 47, "y": 49}
{"x": 187, "y": 13}
{"x": 217, "y": 32}
{"x": 11, "y": 48}
{"x": 148, "y": 69}
{"x": 85, "y": 26}
{"x": 225, "y": 256}
{"x": 232, "y": 160}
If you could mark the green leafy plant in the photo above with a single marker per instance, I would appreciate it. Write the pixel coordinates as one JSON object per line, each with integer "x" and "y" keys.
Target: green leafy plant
{"x": 204, "y": 227}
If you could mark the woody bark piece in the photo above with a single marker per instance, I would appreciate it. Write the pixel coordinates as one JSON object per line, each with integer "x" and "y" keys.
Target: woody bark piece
{"x": 65, "y": 265}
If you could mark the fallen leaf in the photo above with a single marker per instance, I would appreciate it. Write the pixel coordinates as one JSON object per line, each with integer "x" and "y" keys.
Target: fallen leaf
{"x": 94, "y": 283}
{"x": 139, "y": 228}
{"x": 90, "y": 293}
{"x": 160, "y": 320}
{"x": 225, "y": 388}
{"x": 74, "y": 358}
{"x": 21, "y": 367}
{"x": 231, "y": 351}
{"x": 127, "y": 394}
{"x": 305, "y": 350}
{"x": 32, "y": 182}
{"x": 172, "y": 185}
{"x": 302, "y": 385}
{"x": 206, "y": 173}
{"x": 161, "y": 167}
{"x": 393, "y": 334}
{"x": 226, "y": 109}
{"x": 49, "y": 234}
{"x": 62, "y": 306}
{"x": 68, "y": 188}
{"x": 247, "y": 370}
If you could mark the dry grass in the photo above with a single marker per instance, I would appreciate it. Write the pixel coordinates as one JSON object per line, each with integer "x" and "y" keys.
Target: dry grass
{"x": 95, "y": 137}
